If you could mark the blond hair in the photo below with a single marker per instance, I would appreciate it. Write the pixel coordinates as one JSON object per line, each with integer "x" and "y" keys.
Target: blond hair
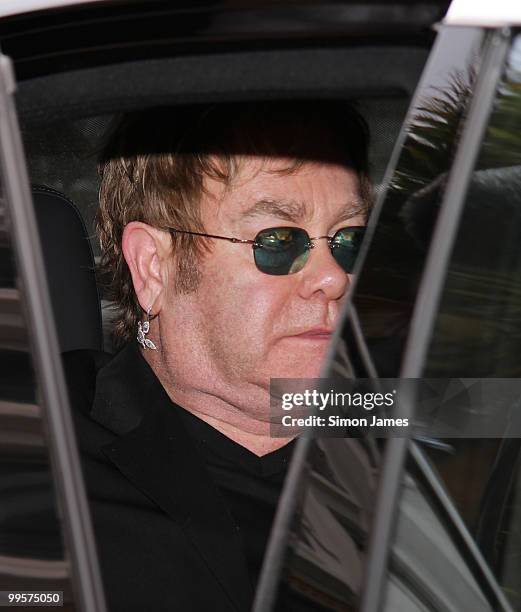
{"x": 154, "y": 167}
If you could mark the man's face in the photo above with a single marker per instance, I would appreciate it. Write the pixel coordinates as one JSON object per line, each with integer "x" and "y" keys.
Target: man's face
{"x": 241, "y": 326}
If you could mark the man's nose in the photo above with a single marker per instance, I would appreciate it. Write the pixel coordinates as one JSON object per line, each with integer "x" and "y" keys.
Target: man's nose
{"x": 323, "y": 274}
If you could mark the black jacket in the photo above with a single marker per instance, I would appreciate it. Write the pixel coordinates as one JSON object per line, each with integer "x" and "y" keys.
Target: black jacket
{"x": 164, "y": 536}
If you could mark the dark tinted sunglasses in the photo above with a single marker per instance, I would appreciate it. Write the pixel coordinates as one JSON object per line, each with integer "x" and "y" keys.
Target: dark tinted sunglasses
{"x": 285, "y": 250}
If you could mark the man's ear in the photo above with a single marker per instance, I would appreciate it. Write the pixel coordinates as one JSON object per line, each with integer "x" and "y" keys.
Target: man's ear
{"x": 147, "y": 251}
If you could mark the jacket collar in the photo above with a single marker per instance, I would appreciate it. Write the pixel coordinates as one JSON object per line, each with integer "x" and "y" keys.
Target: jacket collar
{"x": 155, "y": 452}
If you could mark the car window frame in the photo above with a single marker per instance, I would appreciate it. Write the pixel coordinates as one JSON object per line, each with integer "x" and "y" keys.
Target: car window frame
{"x": 399, "y": 450}
{"x": 52, "y": 393}
{"x": 426, "y": 310}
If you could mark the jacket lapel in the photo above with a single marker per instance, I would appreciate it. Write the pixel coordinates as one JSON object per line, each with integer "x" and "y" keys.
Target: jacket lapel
{"x": 155, "y": 452}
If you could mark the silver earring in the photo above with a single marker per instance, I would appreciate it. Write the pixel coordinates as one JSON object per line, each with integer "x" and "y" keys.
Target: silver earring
{"x": 142, "y": 331}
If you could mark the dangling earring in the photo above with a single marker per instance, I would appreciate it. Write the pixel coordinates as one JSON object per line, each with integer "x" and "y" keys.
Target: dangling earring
{"x": 142, "y": 331}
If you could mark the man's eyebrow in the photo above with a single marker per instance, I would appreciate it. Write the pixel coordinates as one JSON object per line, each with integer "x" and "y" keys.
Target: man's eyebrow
{"x": 289, "y": 210}
{"x": 293, "y": 211}
{"x": 352, "y": 209}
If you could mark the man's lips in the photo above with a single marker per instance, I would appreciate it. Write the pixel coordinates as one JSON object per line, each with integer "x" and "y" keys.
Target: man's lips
{"x": 318, "y": 333}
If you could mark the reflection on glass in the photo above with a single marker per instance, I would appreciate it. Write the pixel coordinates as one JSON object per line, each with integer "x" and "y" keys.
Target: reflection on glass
{"x": 325, "y": 559}
{"x": 478, "y": 329}
{"x": 31, "y": 549}
{"x": 427, "y": 570}
{"x": 388, "y": 284}
{"x": 507, "y": 541}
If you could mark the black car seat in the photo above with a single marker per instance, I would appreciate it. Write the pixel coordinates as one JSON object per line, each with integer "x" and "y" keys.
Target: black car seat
{"x": 69, "y": 264}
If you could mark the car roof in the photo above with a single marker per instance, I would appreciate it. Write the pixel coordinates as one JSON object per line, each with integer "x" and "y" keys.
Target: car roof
{"x": 17, "y": 7}
{"x": 497, "y": 13}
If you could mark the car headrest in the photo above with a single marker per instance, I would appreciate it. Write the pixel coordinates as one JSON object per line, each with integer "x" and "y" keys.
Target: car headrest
{"x": 69, "y": 264}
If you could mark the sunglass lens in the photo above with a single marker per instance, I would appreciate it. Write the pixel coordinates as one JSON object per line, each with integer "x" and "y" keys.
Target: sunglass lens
{"x": 281, "y": 250}
{"x": 345, "y": 247}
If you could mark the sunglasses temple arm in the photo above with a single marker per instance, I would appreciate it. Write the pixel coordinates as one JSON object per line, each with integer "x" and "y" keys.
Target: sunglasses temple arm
{"x": 230, "y": 239}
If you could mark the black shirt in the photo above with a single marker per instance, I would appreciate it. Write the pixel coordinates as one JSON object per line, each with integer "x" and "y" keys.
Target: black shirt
{"x": 250, "y": 485}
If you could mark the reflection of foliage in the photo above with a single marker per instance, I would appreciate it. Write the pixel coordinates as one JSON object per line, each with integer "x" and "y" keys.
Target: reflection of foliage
{"x": 429, "y": 149}
{"x": 478, "y": 329}
{"x": 502, "y": 144}
{"x": 480, "y": 312}
{"x": 430, "y": 144}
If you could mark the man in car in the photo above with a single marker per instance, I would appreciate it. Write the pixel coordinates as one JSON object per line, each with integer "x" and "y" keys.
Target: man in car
{"x": 230, "y": 233}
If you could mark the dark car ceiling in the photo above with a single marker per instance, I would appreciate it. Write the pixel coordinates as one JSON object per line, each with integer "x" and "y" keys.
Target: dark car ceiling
{"x": 77, "y": 37}
{"x": 345, "y": 73}
{"x": 76, "y": 68}
{"x": 117, "y": 56}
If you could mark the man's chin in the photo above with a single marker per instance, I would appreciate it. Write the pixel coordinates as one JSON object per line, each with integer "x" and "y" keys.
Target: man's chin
{"x": 301, "y": 364}
{"x": 295, "y": 370}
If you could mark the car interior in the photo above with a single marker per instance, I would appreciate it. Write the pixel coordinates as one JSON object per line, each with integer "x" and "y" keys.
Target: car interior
{"x": 73, "y": 83}
{"x": 62, "y": 153}
{"x": 69, "y": 95}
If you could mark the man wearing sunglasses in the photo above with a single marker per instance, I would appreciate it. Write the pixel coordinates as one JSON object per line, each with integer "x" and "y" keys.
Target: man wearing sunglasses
{"x": 231, "y": 234}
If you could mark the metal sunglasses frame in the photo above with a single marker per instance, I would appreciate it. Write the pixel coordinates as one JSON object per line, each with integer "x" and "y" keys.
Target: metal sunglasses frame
{"x": 258, "y": 245}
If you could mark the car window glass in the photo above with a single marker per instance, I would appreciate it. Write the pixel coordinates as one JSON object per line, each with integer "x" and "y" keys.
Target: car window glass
{"x": 428, "y": 568}
{"x": 340, "y": 477}
{"x": 477, "y": 330}
{"x": 323, "y": 568}
{"x": 386, "y": 289}
{"x": 32, "y": 554}
{"x": 324, "y": 560}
